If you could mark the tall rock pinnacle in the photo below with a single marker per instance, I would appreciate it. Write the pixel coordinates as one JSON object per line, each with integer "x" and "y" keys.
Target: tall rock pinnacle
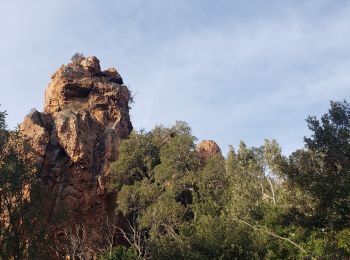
{"x": 86, "y": 115}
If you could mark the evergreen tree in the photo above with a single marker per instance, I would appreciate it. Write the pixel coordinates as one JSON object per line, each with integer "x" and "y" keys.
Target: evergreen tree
{"x": 19, "y": 197}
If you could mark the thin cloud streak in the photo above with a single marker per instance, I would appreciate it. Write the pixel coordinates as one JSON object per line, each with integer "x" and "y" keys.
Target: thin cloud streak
{"x": 231, "y": 70}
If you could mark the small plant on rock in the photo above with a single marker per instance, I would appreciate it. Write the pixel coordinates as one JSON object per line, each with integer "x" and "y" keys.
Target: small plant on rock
{"x": 77, "y": 57}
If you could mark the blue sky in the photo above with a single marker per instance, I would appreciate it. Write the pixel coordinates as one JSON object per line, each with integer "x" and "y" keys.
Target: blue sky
{"x": 234, "y": 70}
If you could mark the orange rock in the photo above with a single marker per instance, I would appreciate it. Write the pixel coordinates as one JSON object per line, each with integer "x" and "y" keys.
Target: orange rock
{"x": 207, "y": 149}
{"x": 86, "y": 114}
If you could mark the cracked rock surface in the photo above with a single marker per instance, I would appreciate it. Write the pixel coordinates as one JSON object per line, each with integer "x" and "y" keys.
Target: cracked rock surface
{"x": 86, "y": 115}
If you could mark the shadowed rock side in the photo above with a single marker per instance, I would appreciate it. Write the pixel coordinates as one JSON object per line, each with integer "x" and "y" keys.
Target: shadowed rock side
{"x": 75, "y": 139}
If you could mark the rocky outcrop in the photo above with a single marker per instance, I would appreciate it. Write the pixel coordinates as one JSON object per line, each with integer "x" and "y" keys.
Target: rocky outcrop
{"x": 207, "y": 149}
{"x": 86, "y": 115}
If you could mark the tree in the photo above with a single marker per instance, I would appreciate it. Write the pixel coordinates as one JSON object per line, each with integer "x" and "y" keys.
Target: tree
{"x": 323, "y": 168}
{"x": 137, "y": 159}
{"x": 320, "y": 176}
{"x": 119, "y": 253}
{"x": 155, "y": 179}
{"x": 19, "y": 197}
{"x": 3, "y": 132}
{"x": 256, "y": 204}
{"x": 329, "y": 149}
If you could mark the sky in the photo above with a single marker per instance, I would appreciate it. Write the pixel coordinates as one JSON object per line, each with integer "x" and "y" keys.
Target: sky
{"x": 233, "y": 70}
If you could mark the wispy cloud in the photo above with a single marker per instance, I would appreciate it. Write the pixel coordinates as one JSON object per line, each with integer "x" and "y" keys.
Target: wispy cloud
{"x": 233, "y": 70}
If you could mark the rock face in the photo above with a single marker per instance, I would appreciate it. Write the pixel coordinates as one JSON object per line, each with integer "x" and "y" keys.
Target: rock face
{"x": 86, "y": 115}
{"x": 207, "y": 149}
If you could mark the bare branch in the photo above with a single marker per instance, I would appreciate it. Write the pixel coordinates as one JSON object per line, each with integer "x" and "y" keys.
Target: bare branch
{"x": 272, "y": 234}
{"x": 136, "y": 238}
{"x": 272, "y": 190}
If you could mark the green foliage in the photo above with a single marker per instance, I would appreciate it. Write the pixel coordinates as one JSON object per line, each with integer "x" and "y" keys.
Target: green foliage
{"x": 187, "y": 208}
{"x": 137, "y": 159}
{"x": 324, "y": 169}
{"x": 119, "y": 253}
{"x": 19, "y": 198}
{"x": 253, "y": 204}
{"x": 3, "y": 132}
{"x": 178, "y": 158}
{"x": 321, "y": 176}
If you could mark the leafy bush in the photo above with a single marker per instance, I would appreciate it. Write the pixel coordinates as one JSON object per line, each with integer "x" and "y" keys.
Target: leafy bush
{"x": 119, "y": 253}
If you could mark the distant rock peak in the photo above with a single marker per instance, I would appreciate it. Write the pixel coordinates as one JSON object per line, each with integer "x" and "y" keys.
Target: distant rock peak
{"x": 207, "y": 149}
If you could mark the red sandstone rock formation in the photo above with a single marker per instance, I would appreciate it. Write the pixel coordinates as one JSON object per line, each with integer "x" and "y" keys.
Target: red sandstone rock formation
{"x": 75, "y": 139}
{"x": 207, "y": 149}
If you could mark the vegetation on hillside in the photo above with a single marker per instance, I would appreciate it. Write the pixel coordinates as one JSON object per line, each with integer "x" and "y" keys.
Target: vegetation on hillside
{"x": 253, "y": 203}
